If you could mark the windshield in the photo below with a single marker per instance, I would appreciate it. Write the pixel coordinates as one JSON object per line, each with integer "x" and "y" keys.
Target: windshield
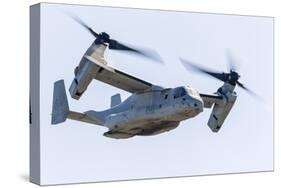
{"x": 179, "y": 92}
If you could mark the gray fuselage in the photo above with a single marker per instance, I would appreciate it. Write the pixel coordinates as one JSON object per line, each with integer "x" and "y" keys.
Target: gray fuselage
{"x": 150, "y": 112}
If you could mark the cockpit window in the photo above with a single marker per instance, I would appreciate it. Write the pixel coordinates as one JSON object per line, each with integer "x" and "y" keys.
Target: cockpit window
{"x": 179, "y": 92}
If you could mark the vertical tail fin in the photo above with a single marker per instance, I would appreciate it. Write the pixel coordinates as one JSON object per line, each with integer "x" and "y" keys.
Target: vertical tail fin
{"x": 115, "y": 100}
{"x": 60, "y": 109}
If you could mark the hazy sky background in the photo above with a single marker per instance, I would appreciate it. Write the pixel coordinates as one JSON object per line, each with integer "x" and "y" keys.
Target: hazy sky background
{"x": 77, "y": 152}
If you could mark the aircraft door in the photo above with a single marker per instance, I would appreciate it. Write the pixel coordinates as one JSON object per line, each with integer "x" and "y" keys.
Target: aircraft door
{"x": 153, "y": 100}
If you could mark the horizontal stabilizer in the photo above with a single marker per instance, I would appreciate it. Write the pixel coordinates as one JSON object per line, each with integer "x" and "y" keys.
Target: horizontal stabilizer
{"x": 87, "y": 117}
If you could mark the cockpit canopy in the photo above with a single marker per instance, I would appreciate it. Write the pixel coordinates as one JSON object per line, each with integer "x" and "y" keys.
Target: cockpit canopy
{"x": 183, "y": 91}
{"x": 179, "y": 92}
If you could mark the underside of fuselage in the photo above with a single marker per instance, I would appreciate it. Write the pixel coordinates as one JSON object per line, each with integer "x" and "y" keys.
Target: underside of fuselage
{"x": 146, "y": 129}
{"x": 150, "y": 127}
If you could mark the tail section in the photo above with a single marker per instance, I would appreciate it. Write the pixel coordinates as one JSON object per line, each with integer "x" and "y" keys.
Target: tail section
{"x": 60, "y": 109}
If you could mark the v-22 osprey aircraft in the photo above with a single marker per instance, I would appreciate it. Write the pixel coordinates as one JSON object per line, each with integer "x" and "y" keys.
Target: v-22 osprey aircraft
{"x": 151, "y": 109}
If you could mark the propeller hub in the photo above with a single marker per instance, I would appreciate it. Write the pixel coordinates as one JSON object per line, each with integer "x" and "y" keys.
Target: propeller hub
{"x": 234, "y": 76}
{"x": 102, "y": 38}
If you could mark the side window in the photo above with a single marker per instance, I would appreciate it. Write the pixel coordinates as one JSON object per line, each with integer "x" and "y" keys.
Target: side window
{"x": 166, "y": 96}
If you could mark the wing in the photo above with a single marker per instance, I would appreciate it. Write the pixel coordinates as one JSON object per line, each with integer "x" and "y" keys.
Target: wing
{"x": 118, "y": 78}
{"x": 209, "y": 100}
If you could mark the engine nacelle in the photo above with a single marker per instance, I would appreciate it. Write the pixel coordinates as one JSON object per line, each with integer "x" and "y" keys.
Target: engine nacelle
{"x": 87, "y": 70}
{"x": 221, "y": 110}
{"x": 82, "y": 79}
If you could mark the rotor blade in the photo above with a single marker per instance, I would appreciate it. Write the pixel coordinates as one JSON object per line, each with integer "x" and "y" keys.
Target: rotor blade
{"x": 246, "y": 89}
{"x": 81, "y": 22}
{"x": 115, "y": 45}
{"x": 232, "y": 65}
{"x": 188, "y": 65}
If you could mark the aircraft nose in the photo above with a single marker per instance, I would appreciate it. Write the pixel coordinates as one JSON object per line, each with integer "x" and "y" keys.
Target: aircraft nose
{"x": 198, "y": 104}
{"x": 193, "y": 103}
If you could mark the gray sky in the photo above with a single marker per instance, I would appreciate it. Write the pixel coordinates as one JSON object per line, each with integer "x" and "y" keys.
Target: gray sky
{"x": 77, "y": 152}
